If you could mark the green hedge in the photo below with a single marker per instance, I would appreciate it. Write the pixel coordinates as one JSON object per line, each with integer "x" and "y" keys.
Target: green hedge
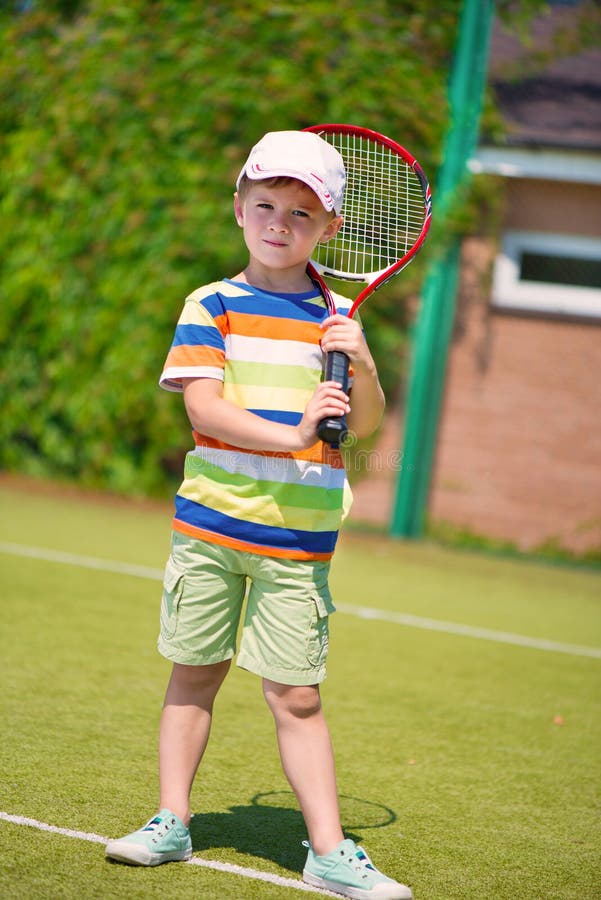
{"x": 122, "y": 129}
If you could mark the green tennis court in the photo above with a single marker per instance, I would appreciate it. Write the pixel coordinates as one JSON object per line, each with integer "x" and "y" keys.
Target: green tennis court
{"x": 463, "y": 698}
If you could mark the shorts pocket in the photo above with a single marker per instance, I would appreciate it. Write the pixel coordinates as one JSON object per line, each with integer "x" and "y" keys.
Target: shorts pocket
{"x": 173, "y": 588}
{"x": 319, "y": 632}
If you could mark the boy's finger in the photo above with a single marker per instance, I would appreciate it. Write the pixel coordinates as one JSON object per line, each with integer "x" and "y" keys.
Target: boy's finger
{"x": 332, "y": 320}
{"x": 336, "y": 385}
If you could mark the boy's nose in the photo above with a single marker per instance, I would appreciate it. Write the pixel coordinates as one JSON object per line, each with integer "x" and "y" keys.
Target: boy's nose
{"x": 278, "y": 224}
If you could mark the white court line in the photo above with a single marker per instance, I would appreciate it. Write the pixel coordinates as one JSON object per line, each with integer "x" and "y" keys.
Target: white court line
{"x": 362, "y": 612}
{"x": 85, "y": 562}
{"x": 483, "y": 634}
{"x": 229, "y": 868}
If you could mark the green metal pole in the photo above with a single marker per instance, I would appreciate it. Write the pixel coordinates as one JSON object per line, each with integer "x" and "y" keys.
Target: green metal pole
{"x": 437, "y": 309}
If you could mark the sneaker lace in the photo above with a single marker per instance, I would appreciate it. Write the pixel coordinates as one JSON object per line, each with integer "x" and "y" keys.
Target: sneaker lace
{"x": 359, "y": 860}
{"x": 160, "y": 827}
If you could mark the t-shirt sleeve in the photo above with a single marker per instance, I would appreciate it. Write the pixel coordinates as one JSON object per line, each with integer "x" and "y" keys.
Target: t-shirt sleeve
{"x": 198, "y": 348}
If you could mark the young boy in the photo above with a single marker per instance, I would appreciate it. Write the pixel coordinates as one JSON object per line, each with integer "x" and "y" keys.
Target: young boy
{"x": 261, "y": 503}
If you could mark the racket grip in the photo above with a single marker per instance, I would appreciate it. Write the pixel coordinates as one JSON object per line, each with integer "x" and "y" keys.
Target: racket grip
{"x": 333, "y": 430}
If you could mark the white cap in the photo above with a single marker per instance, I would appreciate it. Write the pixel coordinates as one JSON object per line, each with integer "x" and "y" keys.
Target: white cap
{"x": 302, "y": 155}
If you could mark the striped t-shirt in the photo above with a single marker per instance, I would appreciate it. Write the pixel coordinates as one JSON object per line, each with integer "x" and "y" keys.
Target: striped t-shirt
{"x": 265, "y": 348}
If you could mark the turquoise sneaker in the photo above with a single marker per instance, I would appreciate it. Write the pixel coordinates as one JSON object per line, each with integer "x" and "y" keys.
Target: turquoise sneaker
{"x": 348, "y": 870}
{"x": 164, "y": 838}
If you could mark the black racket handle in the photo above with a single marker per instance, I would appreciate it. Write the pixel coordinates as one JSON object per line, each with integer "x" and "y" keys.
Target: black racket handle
{"x": 334, "y": 429}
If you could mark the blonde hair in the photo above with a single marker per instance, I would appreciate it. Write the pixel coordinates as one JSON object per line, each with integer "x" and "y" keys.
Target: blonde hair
{"x": 276, "y": 182}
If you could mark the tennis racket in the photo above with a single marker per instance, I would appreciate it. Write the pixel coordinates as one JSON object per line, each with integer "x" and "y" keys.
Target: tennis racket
{"x": 387, "y": 213}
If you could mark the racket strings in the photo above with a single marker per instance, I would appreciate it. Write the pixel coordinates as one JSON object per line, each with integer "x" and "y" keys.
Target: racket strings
{"x": 384, "y": 210}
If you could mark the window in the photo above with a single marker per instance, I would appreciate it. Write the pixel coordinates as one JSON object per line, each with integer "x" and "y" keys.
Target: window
{"x": 551, "y": 273}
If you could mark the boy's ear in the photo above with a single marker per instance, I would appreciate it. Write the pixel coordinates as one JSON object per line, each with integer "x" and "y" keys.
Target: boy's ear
{"x": 333, "y": 227}
{"x": 238, "y": 210}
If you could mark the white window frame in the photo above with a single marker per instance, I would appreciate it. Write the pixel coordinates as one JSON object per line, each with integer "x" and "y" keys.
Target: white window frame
{"x": 510, "y": 292}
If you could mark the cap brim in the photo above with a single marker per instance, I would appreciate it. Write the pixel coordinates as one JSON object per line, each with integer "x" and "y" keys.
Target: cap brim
{"x": 312, "y": 181}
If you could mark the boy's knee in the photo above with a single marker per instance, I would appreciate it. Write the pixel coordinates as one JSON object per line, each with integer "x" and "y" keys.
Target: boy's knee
{"x": 298, "y": 701}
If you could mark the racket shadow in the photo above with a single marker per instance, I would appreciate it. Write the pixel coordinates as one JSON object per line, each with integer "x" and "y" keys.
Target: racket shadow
{"x": 271, "y": 827}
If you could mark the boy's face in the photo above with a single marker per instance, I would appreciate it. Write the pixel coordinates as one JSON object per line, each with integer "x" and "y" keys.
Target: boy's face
{"x": 283, "y": 224}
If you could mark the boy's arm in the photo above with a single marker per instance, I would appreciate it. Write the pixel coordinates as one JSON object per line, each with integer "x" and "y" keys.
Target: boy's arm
{"x": 367, "y": 396}
{"x": 367, "y": 401}
{"x": 212, "y": 415}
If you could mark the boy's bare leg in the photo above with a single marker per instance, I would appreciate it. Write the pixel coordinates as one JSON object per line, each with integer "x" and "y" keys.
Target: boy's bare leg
{"x": 307, "y": 759}
{"x": 184, "y": 731}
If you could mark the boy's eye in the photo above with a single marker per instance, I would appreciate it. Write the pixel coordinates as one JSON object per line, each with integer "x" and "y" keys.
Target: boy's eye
{"x": 301, "y": 212}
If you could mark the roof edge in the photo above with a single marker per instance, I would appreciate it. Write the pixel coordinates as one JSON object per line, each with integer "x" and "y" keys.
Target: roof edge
{"x": 551, "y": 165}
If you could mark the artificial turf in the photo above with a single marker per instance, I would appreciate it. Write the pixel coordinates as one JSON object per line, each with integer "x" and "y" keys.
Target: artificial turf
{"x": 469, "y": 769}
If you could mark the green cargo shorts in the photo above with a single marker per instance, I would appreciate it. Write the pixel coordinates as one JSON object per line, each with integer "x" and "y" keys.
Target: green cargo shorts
{"x": 284, "y": 633}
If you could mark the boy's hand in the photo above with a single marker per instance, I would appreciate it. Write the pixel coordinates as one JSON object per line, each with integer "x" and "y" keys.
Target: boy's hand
{"x": 342, "y": 333}
{"x": 328, "y": 400}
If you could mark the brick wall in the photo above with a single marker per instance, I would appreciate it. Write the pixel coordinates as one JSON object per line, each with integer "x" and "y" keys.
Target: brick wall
{"x": 519, "y": 449}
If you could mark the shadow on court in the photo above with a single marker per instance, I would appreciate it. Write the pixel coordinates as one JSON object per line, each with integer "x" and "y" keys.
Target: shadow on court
{"x": 271, "y": 826}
